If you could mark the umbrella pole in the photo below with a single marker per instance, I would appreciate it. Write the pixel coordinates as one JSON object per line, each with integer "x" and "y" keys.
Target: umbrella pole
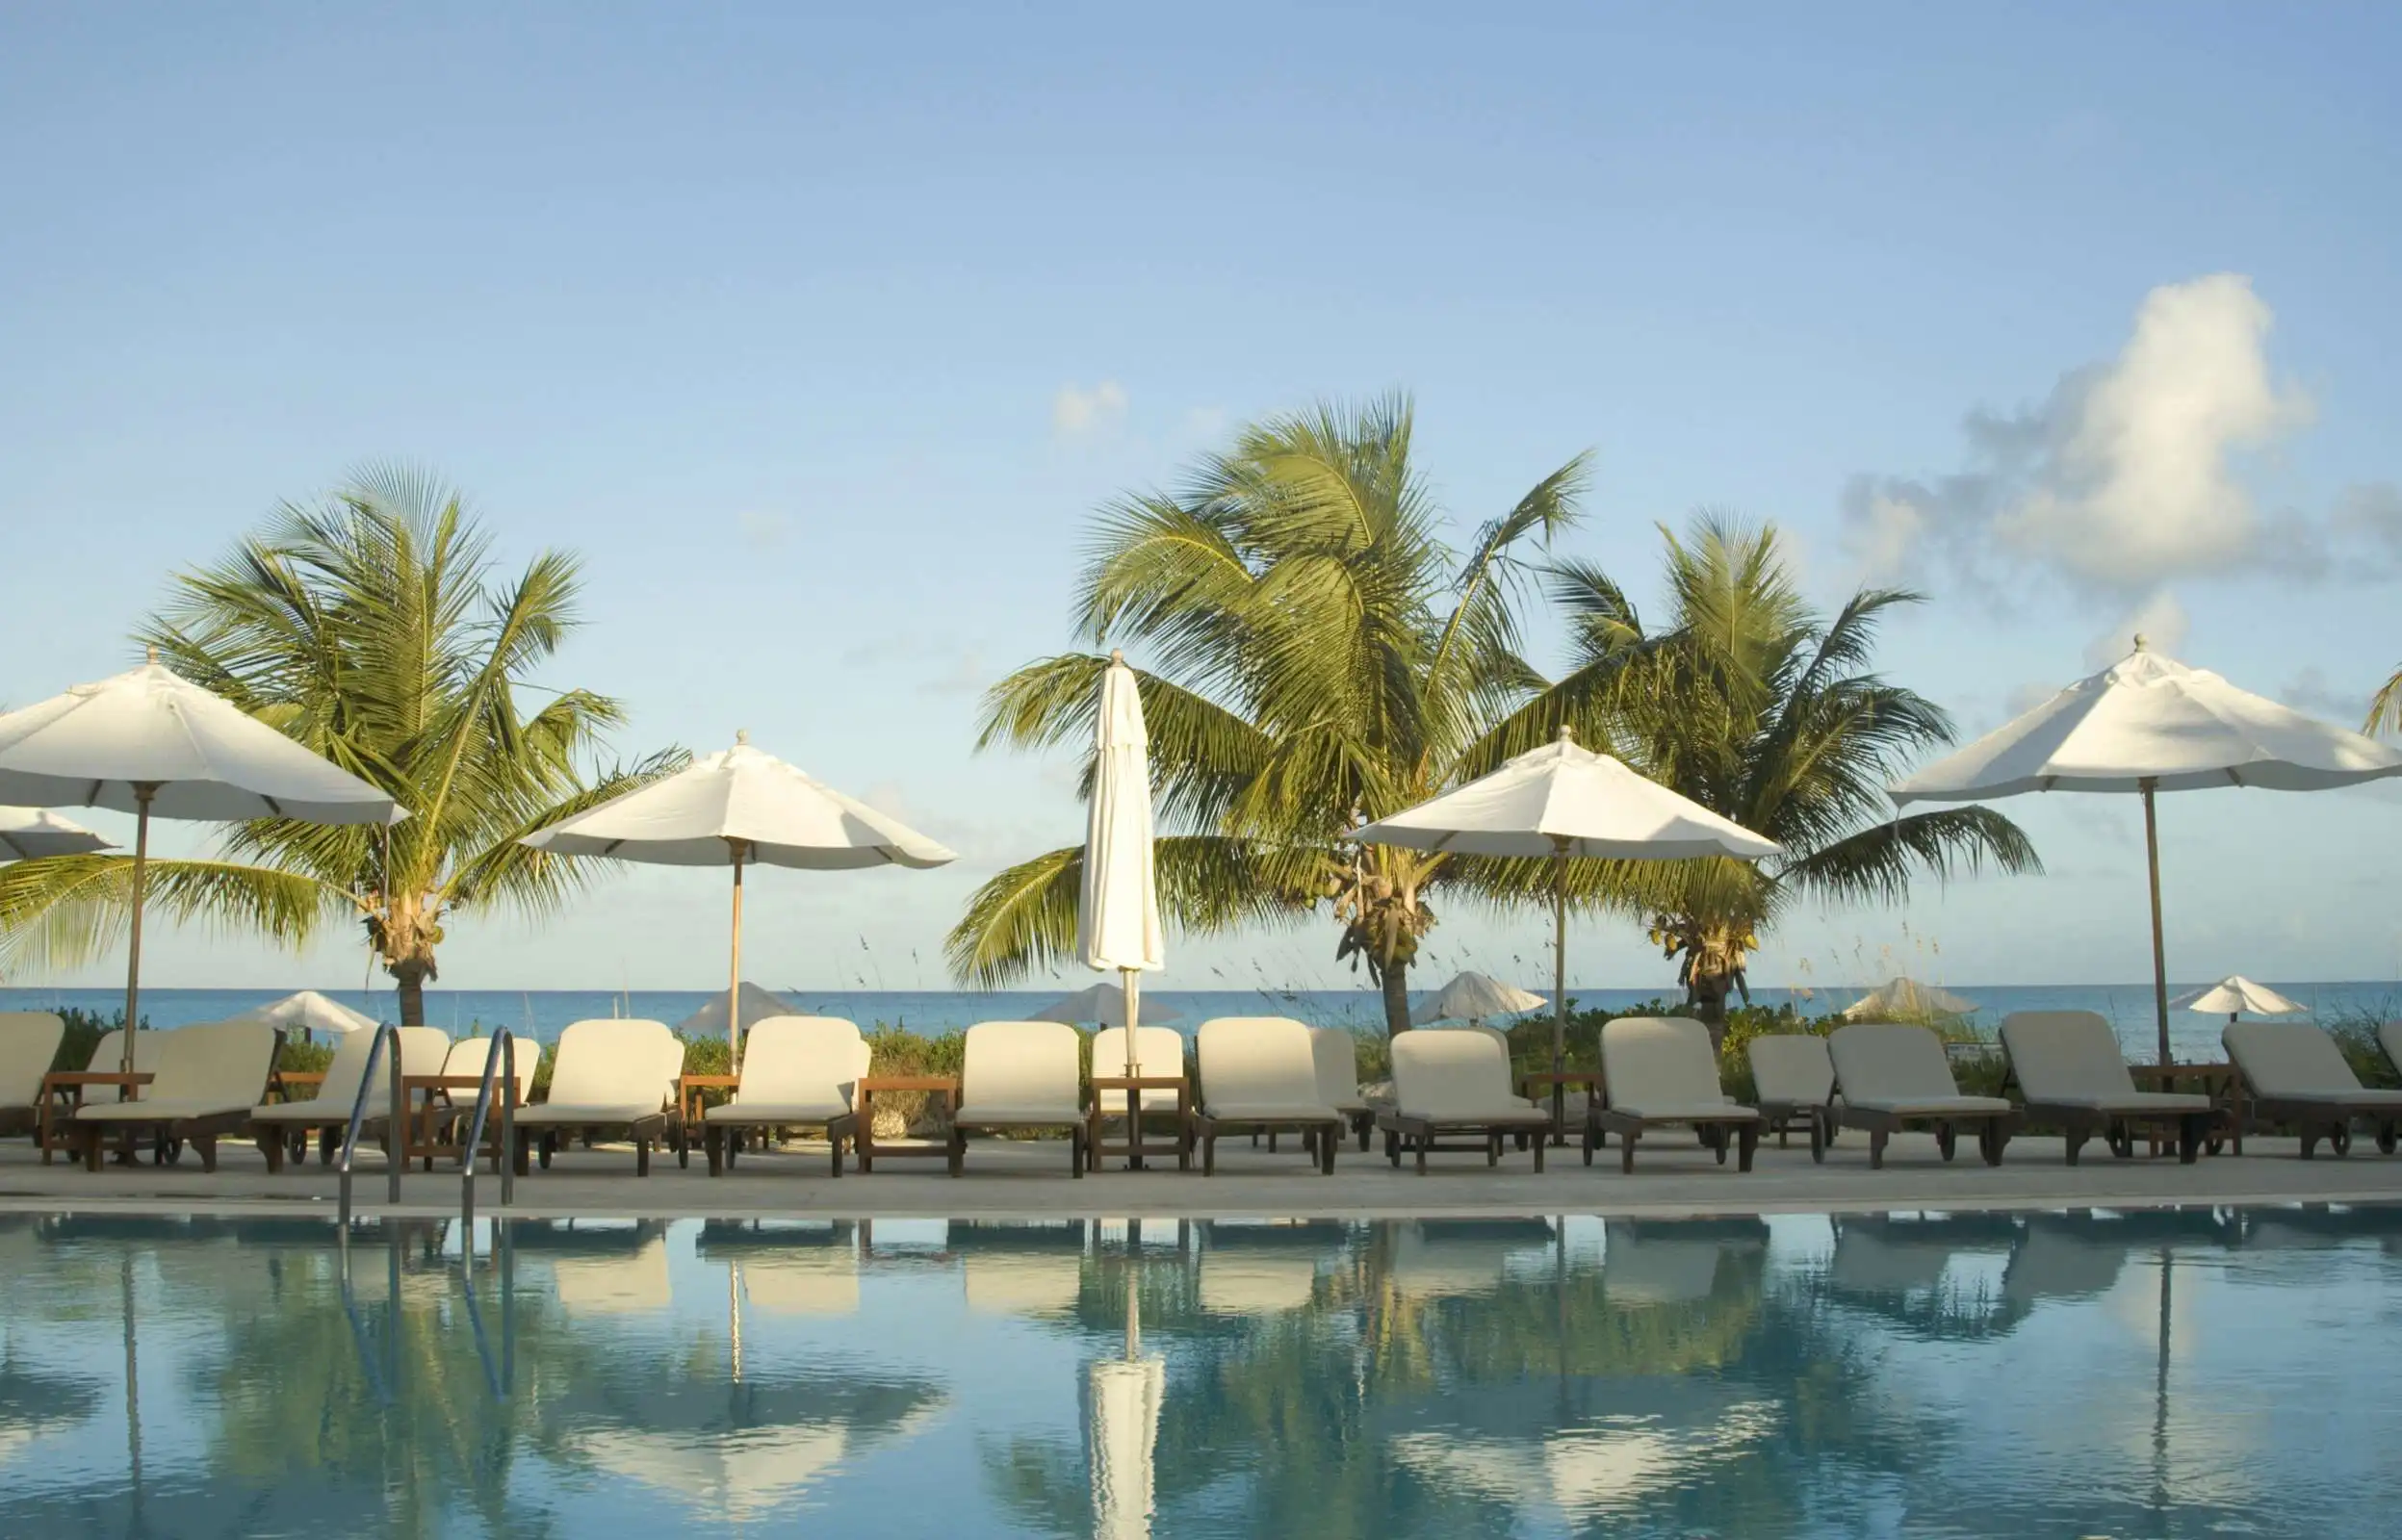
{"x": 734, "y": 988}
{"x": 1133, "y": 988}
{"x": 2159, "y": 953}
{"x": 1558, "y": 978}
{"x": 143, "y": 791}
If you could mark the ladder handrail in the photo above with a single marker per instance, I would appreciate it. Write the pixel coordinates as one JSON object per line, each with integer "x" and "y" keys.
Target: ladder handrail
{"x": 385, "y": 1033}
{"x": 501, "y": 1054}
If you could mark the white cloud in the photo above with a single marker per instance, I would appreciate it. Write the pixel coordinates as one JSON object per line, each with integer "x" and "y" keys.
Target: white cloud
{"x": 1076, "y": 412}
{"x": 2125, "y": 475}
{"x": 2312, "y": 691}
{"x": 1202, "y": 425}
{"x": 2159, "y": 620}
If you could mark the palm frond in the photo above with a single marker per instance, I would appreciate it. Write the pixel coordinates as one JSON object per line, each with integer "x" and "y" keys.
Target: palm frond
{"x": 1878, "y": 861}
{"x": 62, "y": 912}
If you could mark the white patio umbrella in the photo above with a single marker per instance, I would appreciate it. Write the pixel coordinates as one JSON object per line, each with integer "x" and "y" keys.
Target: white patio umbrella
{"x": 2146, "y": 725}
{"x": 1104, "y": 1003}
{"x": 1905, "y": 999}
{"x": 29, "y": 834}
{"x": 1125, "y": 1399}
{"x": 758, "y": 1005}
{"x": 2236, "y": 994}
{"x": 154, "y": 744}
{"x": 312, "y": 1012}
{"x": 740, "y": 808}
{"x": 1117, "y": 911}
{"x": 1566, "y": 802}
{"x": 1474, "y": 997}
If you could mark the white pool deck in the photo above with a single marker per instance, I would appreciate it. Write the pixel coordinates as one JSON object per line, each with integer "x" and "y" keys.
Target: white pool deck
{"x": 1017, "y": 1180}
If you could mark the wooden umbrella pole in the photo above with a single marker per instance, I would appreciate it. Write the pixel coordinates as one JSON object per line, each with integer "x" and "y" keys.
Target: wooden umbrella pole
{"x": 143, "y": 793}
{"x": 734, "y": 988}
{"x": 1133, "y": 988}
{"x": 2150, "y": 785}
{"x": 1558, "y": 957}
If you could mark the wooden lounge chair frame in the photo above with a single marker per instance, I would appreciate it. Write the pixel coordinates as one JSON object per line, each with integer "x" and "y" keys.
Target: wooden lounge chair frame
{"x": 1994, "y": 1127}
{"x": 1678, "y": 1051}
{"x": 1320, "y": 1137}
{"x": 1742, "y": 1123}
{"x": 1424, "y": 1136}
{"x": 2329, "y": 1117}
{"x": 1076, "y": 1120}
{"x": 541, "y": 1141}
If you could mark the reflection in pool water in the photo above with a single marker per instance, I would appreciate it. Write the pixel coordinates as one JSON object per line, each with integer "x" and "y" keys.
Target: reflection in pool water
{"x": 1886, "y": 1375}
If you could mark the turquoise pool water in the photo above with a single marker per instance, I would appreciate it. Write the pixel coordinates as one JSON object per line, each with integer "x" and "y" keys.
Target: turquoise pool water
{"x": 2189, "y": 1373}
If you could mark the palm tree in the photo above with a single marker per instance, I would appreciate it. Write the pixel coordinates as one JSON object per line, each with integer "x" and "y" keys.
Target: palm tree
{"x": 1756, "y": 707}
{"x": 1320, "y": 657}
{"x": 371, "y": 630}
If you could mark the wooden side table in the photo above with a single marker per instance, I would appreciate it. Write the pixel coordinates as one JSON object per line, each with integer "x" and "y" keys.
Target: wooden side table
{"x": 943, "y": 1086}
{"x": 63, "y": 1092}
{"x": 1135, "y": 1147}
{"x": 1559, "y": 1080}
{"x": 422, "y": 1138}
{"x": 2218, "y": 1081}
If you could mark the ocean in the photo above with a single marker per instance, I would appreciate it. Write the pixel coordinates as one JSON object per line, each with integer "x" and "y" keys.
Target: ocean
{"x": 542, "y": 1014}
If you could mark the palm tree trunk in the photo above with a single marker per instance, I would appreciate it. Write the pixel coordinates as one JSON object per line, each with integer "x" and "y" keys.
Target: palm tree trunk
{"x": 411, "y": 978}
{"x": 1396, "y": 981}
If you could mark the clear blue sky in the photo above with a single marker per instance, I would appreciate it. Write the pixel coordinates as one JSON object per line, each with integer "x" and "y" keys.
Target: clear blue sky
{"x": 820, "y": 336}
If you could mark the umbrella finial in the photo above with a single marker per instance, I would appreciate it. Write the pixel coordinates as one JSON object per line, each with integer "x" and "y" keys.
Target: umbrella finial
{"x": 153, "y": 651}
{"x": 2139, "y": 641}
{"x": 1118, "y": 656}
{"x": 1567, "y": 734}
{"x": 741, "y": 738}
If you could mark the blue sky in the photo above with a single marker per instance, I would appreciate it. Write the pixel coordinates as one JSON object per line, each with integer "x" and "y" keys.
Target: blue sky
{"x": 819, "y": 337}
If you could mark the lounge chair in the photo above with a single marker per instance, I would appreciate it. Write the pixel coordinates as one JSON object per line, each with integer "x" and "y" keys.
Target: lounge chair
{"x": 64, "y": 1091}
{"x": 1157, "y": 1051}
{"x": 608, "y": 1075}
{"x": 1336, "y": 1054}
{"x": 1891, "y": 1076}
{"x": 276, "y": 1125}
{"x": 1449, "y": 1083}
{"x": 1259, "y": 1074}
{"x": 2294, "y": 1073}
{"x": 452, "y": 1105}
{"x": 796, "y": 1072}
{"x": 2068, "y": 1067}
{"x": 29, "y": 1041}
{"x": 1020, "y": 1075}
{"x": 208, "y": 1080}
{"x": 1792, "y": 1077}
{"x": 1659, "y": 1071}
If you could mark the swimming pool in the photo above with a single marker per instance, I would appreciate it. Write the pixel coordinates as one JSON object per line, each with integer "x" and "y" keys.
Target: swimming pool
{"x": 2073, "y": 1374}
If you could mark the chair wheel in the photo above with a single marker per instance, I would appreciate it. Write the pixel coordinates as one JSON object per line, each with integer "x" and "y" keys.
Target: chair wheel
{"x": 2340, "y": 1141}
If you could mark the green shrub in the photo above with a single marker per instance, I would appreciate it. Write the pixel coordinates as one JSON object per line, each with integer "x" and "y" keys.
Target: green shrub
{"x": 2356, "y": 1034}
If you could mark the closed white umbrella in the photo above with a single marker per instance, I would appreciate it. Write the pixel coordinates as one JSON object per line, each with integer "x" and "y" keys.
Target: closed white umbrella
{"x": 741, "y": 807}
{"x": 312, "y": 1012}
{"x": 2236, "y": 994}
{"x": 1104, "y": 1003}
{"x": 1126, "y": 1395}
{"x": 1474, "y": 997}
{"x": 1117, "y": 911}
{"x": 1565, "y": 802}
{"x": 2145, "y": 724}
{"x": 154, "y": 744}
{"x": 29, "y": 834}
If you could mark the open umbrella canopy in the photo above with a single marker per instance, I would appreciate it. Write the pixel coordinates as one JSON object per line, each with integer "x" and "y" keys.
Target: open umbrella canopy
{"x": 1566, "y": 800}
{"x": 311, "y": 1012}
{"x": 1906, "y": 1000}
{"x": 1104, "y": 1004}
{"x": 758, "y": 1005}
{"x": 1118, "y": 907}
{"x": 2236, "y": 994}
{"x": 202, "y": 758}
{"x": 29, "y": 834}
{"x": 743, "y": 803}
{"x": 740, "y": 808}
{"x": 2145, "y": 724}
{"x": 1473, "y": 997}
{"x": 2150, "y": 718}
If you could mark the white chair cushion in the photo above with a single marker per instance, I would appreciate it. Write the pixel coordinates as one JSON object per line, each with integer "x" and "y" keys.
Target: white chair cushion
{"x": 1157, "y": 1051}
{"x": 29, "y": 1039}
{"x": 1886, "y": 1063}
{"x": 1792, "y": 1067}
{"x": 1336, "y": 1052}
{"x": 2065, "y": 1056}
{"x": 1659, "y": 1061}
{"x": 2289, "y": 1059}
{"x": 1451, "y": 1076}
{"x": 615, "y": 1063}
{"x": 1013, "y": 1064}
{"x": 802, "y": 1061}
{"x": 1251, "y": 1063}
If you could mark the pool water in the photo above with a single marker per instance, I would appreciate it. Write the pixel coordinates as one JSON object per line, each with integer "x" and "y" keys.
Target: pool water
{"x": 2183, "y": 1373}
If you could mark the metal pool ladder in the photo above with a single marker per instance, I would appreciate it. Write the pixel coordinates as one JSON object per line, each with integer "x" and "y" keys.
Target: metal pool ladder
{"x": 502, "y": 1054}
